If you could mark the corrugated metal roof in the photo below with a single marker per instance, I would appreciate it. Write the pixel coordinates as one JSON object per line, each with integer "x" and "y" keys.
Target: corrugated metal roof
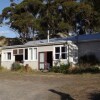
{"x": 79, "y": 38}
{"x": 89, "y": 37}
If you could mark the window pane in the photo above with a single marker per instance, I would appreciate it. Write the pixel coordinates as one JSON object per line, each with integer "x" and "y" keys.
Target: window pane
{"x": 31, "y": 53}
{"x": 15, "y": 52}
{"x": 26, "y": 54}
{"x": 42, "y": 57}
{"x": 42, "y": 66}
{"x": 9, "y": 55}
{"x": 63, "y": 49}
{"x": 20, "y": 51}
{"x": 57, "y": 56}
{"x": 57, "y": 49}
{"x": 35, "y": 53}
{"x": 64, "y": 55}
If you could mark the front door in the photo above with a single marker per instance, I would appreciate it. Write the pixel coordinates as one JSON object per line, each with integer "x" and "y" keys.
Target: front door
{"x": 42, "y": 60}
{"x": 45, "y": 60}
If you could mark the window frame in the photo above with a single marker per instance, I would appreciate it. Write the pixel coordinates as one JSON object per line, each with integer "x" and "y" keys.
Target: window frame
{"x": 31, "y": 51}
{"x": 60, "y": 53}
{"x": 5, "y": 55}
{"x": 8, "y": 56}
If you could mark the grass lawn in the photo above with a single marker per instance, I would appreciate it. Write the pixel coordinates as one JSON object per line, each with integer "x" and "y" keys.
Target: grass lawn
{"x": 49, "y": 86}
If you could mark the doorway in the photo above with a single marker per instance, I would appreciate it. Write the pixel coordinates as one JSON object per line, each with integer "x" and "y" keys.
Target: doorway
{"x": 45, "y": 60}
{"x": 19, "y": 58}
{"x": 49, "y": 59}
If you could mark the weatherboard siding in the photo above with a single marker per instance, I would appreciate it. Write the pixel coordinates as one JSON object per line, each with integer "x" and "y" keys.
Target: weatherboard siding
{"x": 86, "y": 48}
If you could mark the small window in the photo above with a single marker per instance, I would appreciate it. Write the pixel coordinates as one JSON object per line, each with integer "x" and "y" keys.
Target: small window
{"x": 9, "y": 56}
{"x": 57, "y": 52}
{"x": 57, "y": 49}
{"x": 64, "y": 52}
{"x": 31, "y": 53}
{"x": 26, "y": 54}
{"x": 35, "y": 53}
{"x": 14, "y": 52}
{"x": 61, "y": 52}
{"x": 63, "y": 49}
{"x": 57, "y": 56}
{"x": 64, "y": 56}
{"x": 20, "y": 51}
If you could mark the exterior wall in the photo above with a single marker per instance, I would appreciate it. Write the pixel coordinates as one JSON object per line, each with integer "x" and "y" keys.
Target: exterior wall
{"x": 32, "y": 64}
{"x": 7, "y": 63}
{"x": 45, "y": 48}
{"x": 52, "y": 48}
{"x": 88, "y": 48}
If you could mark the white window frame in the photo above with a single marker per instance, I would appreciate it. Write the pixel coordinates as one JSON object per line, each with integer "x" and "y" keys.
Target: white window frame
{"x": 24, "y": 54}
{"x": 5, "y": 55}
{"x": 64, "y": 52}
{"x": 60, "y": 46}
{"x": 29, "y": 53}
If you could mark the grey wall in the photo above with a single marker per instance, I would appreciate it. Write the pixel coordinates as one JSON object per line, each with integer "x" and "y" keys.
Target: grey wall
{"x": 88, "y": 48}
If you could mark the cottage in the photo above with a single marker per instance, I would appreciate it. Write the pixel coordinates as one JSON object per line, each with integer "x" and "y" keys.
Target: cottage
{"x": 42, "y": 54}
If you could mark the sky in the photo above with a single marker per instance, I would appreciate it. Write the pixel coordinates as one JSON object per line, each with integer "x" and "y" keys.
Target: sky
{"x": 5, "y": 30}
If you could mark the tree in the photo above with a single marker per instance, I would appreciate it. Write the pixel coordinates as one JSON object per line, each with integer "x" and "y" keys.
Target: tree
{"x": 36, "y": 17}
{"x": 95, "y": 18}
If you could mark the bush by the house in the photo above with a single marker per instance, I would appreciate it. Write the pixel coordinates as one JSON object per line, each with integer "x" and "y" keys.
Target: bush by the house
{"x": 16, "y": 66}
{"x": 82, "y": 69}
{"x": 63, "y": 68}
{"x": 66, "y": 68}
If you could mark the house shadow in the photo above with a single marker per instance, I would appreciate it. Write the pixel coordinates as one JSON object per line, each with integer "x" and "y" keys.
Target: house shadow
{"x": 62, "y": 95}
{"x": 94, "y": 96}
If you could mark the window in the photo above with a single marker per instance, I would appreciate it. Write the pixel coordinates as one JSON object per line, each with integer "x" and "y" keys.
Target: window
{"x": 64, "y": 52}
{"x": 14, "y": 52}
{"x": 20, "y": 51}
{"x": 9, "y": 55}
{"x": 26, "y": 54}
{"x": 31, "y": 53}
{"x": 35, "y": 53}
{"x": 61, "y": 52}
{"x": 57, "y": 52}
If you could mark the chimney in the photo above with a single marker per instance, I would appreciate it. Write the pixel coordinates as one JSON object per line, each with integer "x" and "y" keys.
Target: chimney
{"x": 48, "y": 36}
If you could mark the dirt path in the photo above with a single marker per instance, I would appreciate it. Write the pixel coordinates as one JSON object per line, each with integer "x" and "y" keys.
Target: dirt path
{"x": 49, "y": 87}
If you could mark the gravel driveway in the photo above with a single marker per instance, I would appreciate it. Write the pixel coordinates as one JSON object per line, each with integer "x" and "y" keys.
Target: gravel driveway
{"x": 36, "y": 87}
{"x": 45, "y": 87}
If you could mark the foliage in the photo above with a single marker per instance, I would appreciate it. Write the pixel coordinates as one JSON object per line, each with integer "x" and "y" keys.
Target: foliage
{"x": 88, "y": 69}
{"x": 34, "y": 17}
{"x": 16, "y": 66}
{"x": 63, "y": 68}
{"x": 83, "y": 68}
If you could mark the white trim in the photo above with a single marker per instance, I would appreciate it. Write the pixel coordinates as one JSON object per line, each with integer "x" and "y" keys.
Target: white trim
{"x": 60, "y": 52}
{"x": 29, "y": 59}
{"x": 4, "y": 55}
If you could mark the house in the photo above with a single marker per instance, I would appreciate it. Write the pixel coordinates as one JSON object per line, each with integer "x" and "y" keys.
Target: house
{"x": 41, "y": 54}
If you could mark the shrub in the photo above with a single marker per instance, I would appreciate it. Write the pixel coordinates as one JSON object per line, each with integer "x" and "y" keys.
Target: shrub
{"x": 55, "y": 69}
{"x": 82, "y": 69}
{"x": 16, "y": 66}
{"x": 63, "y": 68}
